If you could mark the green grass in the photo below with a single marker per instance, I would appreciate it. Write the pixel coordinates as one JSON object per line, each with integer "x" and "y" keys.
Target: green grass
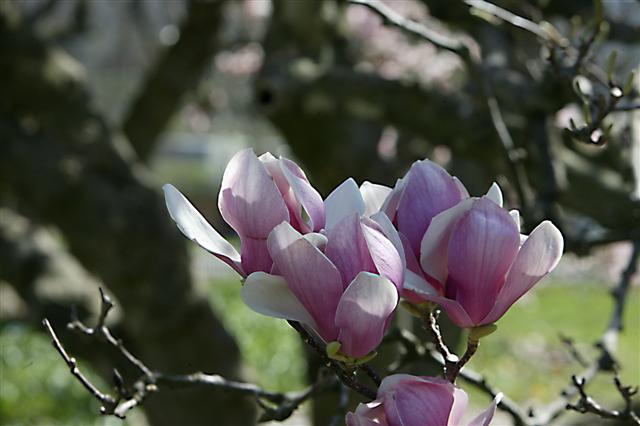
{"x": 269, "y": 346}
{"x": 36, "y": 387}
{"x": 524, "y": 358}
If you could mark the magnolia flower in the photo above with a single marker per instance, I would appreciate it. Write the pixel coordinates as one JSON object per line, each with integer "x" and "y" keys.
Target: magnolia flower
{"x": 426, "y": 190}
{"x": 475, "y": 263}
{"x": 343, "y": 283}
{"x": 405, "y": 400}
{"x": 256, "y": 195}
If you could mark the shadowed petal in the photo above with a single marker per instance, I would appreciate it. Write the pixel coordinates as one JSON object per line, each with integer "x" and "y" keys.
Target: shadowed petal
{"x": 539, "y": 254}
{"x": 249, "y": 200}
{"x": 419, "y": 403}
{"x": 373, "y": 196}
{"x": 342, "y": 202}
{"x": 429, "y": 190}
{"x": 390, "y": 205}
{"x": 460, "y": 402}
{"x": 310, "y": 275}
{"x": 484, "y": 418}
{"x": 362, "y": 313}
{"x": 482, "y": 247}
{"x": 384, "y": 254}
{"x": 255, "y": 255}
{"x": 348, "y": 250}
{"x": 195, "y": 227}
{"x": 416, "y": 288}
{"x": 308, "y": 197}
{"x": 454, "y": 310}
{"x": 270, "y": 295}
{"x": 433, "y": 249}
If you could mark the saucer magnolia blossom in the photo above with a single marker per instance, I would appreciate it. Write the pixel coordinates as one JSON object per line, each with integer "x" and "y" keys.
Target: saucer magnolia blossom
{"x": 477, "y": 264}
{"x": 257, "y": 194}
{"x": 405, "y": 400}
{"x": 343, "y": 283}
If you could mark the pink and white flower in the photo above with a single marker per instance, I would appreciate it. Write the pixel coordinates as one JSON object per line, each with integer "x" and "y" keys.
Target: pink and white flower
{"x": 405, "y": 400}
{"x": 469, "y": 257}
{"x": 256, "y": 195}
{"x": 343, "y": 283}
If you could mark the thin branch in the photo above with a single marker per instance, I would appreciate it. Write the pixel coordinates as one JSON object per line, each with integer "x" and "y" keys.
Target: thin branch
{"x": 276, "y": 405}
{"x": 459, "y": 46}
{"x": 105, "y": 399}
{"x": 509, "y": 17}
{"x": 587, "y": 404}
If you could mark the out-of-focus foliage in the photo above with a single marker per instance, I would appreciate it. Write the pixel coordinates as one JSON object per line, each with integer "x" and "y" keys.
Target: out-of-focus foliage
{"x": 523, "y": 358}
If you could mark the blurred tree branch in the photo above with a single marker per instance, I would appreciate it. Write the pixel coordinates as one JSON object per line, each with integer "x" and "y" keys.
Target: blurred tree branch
{"x": 177, "y": 71}
{"x": 62, "y": 165}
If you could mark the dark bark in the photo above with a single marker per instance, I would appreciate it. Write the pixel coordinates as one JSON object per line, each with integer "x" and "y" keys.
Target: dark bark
{"x": 61, "y": 165}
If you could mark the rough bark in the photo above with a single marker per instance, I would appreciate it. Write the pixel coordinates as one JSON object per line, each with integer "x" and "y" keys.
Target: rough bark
{"x": 61, "y": 164}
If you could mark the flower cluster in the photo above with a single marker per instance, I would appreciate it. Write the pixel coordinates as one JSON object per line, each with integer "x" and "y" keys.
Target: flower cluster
{"x": 340, "y": 266}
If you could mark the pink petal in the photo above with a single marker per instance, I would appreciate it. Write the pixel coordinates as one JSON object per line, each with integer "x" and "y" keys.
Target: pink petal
{"x": 460, "y": 402}
{"x": 386, "y": 227}
{"x": 373, "y": 196}
{"x": 484, "y": 418}
{"x": 434, "y": 247}
{"x": 390, "y": 205}
{"x": 310, "y": 275}
{"x": 249, "y": 200}
{"x": 270, "y": 295}
{"x": 454, "y": 310}
{"x": 416, "y": 288}
{"x": 347, "y": 248}
{"x": 363, "y": 313}
{"x": 255, "y": 255}
{"x": 308, "y": 197}
{"x": 429, "y": 190}
{"x": 384, "y": 254}
{"x": 483, "y": 245}
{"x": 538, "y": 256}
{"x": 419, "y": 403}
{"x": 195, "y": 227}
{"x": 343, "y": 201}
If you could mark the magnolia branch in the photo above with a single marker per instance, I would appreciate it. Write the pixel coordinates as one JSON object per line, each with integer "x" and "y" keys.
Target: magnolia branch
{"x": 276, "y": 405}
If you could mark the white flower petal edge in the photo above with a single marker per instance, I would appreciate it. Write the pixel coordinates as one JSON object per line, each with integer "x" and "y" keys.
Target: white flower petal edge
{"x": 495, "y": 194}
{"x": 374, "y": 196}
{"x": 343, "y": 201}
{"x": 195, "y": 227}
{"x": 270, "y": 295}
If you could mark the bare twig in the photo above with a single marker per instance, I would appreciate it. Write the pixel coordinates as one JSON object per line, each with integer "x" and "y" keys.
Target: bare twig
{"x": 587, "y": 404}
{"x": 276, "y": 405}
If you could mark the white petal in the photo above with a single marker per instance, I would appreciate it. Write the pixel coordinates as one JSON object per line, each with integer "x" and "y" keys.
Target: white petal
{"x": 515, "y": 214}
{"x": 343, "y": 201}
{"x": 373, "y": 196}
{"x": 495, "y": 194}
{"x": 195, "y": 227}
{"x": 317, "y": 239}
{"x": 270, "y": 295}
